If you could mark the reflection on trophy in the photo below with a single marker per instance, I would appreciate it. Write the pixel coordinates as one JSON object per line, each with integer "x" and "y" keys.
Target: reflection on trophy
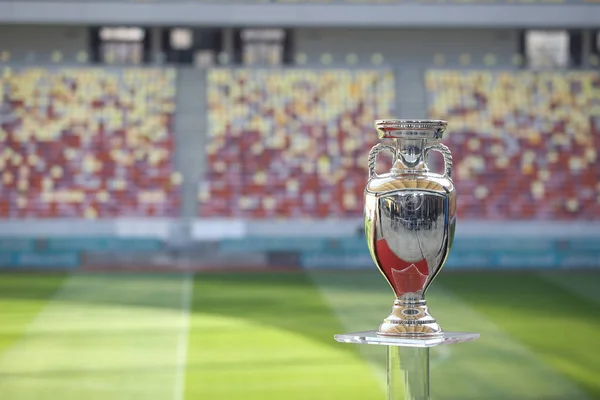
{"x": 410, "y": 214}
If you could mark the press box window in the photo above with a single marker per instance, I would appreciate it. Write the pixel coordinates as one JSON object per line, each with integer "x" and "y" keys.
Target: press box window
{"x": 197, "y": 46}
{"x": 594, "y": 59}
{"x": 547, "y": 49}
{"x": 181, "y": 39}
{"x": 119, "y": 45}
{"x": 262, "y": 46}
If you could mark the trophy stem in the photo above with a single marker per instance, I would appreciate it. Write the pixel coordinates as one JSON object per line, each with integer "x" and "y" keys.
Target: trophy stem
{"x": 410, "y": 319}
{"x": 407, "y": 359}
{"x": 408, "y": 373}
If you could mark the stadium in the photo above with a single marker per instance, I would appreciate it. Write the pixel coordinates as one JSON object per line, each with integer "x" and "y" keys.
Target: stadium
{"x": 181, "y": 195}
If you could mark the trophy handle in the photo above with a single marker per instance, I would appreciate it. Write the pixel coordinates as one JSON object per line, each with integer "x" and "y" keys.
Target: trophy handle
{"x": 378, "y": 148}
{"x": 445, "y": 151}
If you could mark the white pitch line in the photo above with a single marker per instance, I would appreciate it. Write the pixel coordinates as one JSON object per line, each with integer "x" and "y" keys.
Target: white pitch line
{"x": 183, "y": 338}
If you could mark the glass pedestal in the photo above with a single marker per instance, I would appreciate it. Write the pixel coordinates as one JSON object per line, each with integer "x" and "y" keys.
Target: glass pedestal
{"x": 407, "y": 360}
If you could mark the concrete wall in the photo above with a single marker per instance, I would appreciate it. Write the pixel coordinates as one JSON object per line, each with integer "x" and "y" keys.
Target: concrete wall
{"x": 407, "y": 47}
{"x": 222, "y": 228}
{"x": 401, "y": 48}
{"x": 190, "y": 135}
{"x": 19, "y": 40}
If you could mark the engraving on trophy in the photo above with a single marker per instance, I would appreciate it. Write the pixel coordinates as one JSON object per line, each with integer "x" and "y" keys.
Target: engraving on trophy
{"x": 410, "y": 214}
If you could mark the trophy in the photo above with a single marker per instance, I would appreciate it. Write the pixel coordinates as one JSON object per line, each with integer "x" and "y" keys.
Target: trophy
{"x": 410, "y": 214}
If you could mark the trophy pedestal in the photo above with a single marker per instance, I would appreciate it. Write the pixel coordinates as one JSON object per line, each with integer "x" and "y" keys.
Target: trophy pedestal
{"x": 407, "y": 360}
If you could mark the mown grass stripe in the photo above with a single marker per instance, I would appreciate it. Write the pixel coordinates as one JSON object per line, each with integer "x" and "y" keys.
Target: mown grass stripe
{"x": 559, "y": 327}
{"x": 583, "y": 284}
{"x": 22, "y": 297}
{"x": 269, "y": 336}
{"x": 101, "y": 336}
{"x": 494, "y": 367}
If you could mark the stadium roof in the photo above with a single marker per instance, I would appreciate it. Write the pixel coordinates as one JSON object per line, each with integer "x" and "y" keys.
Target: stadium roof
{"x": 364, "y": 13}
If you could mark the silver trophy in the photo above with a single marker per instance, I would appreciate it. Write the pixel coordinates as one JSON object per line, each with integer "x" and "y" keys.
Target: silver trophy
{"x": 410, "y": 214}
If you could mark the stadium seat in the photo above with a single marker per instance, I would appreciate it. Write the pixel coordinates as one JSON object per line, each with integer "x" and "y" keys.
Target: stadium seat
{"x": 87, "y": 143}
{"x": 290, "y": 143}
{"x": 525, "y": 143}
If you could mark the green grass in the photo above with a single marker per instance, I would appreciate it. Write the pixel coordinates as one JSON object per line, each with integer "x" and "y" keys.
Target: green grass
{"x": 270, "y": 336}
{"x": 21, "y": 299}
{"x": 561, "y": 327}
{"x": 258, "y": 336}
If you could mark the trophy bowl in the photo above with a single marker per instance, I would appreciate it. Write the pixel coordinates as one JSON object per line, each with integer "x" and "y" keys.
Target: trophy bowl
{"x": 410, "y": 215}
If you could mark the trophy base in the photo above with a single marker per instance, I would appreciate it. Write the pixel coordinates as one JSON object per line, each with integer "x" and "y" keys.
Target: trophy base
{"x": 410, "y": 319}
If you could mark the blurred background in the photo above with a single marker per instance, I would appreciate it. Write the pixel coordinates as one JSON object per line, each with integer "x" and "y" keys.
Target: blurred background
{"x": 181, "y": 192}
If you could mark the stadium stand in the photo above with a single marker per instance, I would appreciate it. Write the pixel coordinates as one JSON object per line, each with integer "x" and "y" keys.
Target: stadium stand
{"x": 525, "y": 143}
{"x": 87, "y": 143}
{"x": 287, "y": 143}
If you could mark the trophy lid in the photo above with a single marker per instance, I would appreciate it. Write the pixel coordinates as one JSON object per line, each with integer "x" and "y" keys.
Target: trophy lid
{"x": 432, "y": 129}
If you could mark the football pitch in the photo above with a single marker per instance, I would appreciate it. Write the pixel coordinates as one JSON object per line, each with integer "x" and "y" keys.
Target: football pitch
{"x": 92, "y": 336}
